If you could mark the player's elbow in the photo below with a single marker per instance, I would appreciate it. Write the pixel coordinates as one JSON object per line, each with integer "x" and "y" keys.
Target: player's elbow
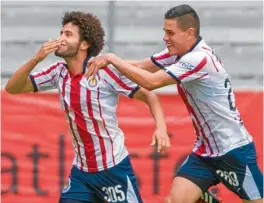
{"x": 8, "y": 89}
{"x": 151, "y": 85}
{"x": 11, "y": 90}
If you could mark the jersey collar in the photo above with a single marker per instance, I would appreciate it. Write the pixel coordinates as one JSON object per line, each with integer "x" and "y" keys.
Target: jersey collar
{"x": 195, "y": 44}
{"x": 85, "y": 63}
{"x": 192, "y": 48}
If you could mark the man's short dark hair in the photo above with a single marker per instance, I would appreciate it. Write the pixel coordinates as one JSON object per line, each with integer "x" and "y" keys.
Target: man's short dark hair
{"x": 186, "y": 17}
{"x": 90, "y": 27}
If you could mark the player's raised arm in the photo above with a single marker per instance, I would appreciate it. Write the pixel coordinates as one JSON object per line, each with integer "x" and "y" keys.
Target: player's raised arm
{"x": 20, "y": 82}
{"x": 149, "y": 81}
{"x": 145, "y": 64}
{"x": 155, "y": 62}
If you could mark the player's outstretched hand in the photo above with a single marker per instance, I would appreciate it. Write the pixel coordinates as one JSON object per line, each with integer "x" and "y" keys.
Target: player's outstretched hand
{"x": 162, "y": 139}
{"x": 96, "y": 63}
{"x": 47, "y": 48}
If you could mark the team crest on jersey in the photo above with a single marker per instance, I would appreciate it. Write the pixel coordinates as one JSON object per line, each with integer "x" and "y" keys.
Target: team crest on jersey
{"x": 67, "y": 186}
{"x": 92, "y": 82}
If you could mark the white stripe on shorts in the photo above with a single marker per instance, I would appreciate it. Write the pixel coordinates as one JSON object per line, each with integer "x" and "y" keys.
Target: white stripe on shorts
{"x": 185, "y": 161}
{"x": 250, "y": 186}
{"x": 131, "y": 195}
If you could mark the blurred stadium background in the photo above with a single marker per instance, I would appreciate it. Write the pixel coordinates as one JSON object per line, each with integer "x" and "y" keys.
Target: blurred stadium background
{"x": 133, "y": 31}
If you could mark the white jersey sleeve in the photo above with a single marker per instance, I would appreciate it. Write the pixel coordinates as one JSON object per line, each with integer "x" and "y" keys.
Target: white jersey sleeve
{"x": 191, "y": 66}
{"x": 119, "y": 82}
{"x": 47, "y": 79}
{"x": 163, "y": 59}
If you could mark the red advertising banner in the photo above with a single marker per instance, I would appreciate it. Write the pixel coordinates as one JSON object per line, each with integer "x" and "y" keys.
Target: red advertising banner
{"x": 37, "y": 153}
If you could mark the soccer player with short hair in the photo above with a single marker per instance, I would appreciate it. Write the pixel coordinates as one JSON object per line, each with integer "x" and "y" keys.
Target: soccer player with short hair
{"x": 101, "y": 170}
{"x": 224, "y": 150}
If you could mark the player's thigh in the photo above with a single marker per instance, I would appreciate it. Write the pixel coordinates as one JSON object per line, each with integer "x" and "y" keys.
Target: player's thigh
{"x": 193, "y": 177}
{"x": 183, "y": 191}
{"x": 238, "y": 170}
{"x": 77, "y": 190}
{"x": 118, "y": 184}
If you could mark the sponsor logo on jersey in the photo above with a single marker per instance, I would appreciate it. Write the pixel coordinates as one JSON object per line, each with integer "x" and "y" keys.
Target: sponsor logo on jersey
{"x": 186, "y": 65}
{"x": 120, "y": 75}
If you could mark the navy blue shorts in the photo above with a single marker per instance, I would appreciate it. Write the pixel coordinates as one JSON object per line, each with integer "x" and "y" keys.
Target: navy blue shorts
{"x": 237, "y": 170}
{"x": 117, "y": 184}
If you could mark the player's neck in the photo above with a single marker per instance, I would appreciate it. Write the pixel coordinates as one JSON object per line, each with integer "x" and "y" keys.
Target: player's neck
{"x": 190, "y": 45}
{"x": 75, "y": 64}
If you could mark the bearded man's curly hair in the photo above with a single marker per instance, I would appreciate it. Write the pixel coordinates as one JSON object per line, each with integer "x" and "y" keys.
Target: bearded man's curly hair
{"x": 90, "y": 28}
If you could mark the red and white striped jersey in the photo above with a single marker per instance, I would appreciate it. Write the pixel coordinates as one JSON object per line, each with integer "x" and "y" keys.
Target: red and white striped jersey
{"x": 90, "y": 110}
{"x": 205, "y": 87}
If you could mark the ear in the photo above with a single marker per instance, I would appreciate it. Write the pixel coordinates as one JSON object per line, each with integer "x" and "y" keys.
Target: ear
{"x": 190, "y": 32}
{"x": 84, "y": 45}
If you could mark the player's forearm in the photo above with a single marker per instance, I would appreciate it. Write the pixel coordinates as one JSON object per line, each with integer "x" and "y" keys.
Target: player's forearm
{"x": 133, "y": 62}
{"x": 137, "y": 75}
{"x": 145, "y": 64}
{"x": 156, "y": 111}
{"x": 18, "y": 80}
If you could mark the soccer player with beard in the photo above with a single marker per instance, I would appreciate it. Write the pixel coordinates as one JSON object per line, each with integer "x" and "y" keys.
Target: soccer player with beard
{"x": 101, "y": 170}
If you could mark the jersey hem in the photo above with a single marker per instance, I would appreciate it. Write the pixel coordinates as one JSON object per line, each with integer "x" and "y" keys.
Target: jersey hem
{"x": 226, "y": 150}
{"x": 94, "y": 170}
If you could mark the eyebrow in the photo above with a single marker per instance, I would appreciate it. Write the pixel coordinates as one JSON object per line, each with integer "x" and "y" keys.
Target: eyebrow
{"x": 167, "y": 30}
{"x": 67, "y": 31}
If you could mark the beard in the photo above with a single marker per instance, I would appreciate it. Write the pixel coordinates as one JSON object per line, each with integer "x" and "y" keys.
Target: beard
{"x": 71, "y": 51}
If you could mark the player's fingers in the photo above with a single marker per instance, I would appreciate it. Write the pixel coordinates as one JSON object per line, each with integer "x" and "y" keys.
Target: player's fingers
{"x": 54, "y": 43}
{"x": 164, "y": 144}
{"x": 168, "y": 142}
{"x": 51, "y": 47}
{"x": 50, "y": 42}
{"x": 53, "y": 40}
{"x": 90, "y": 62}
{"x": 153, "y": 141}
{"x": 95, "y": 71}
{"x": 159, "y": 144}
{"x": 164, "y": 151}
{"x": 51, "y": 50}
{"x": 164, "y": 148}
{"x": 85, "y": 74}
{"x": 90, "y": 70}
